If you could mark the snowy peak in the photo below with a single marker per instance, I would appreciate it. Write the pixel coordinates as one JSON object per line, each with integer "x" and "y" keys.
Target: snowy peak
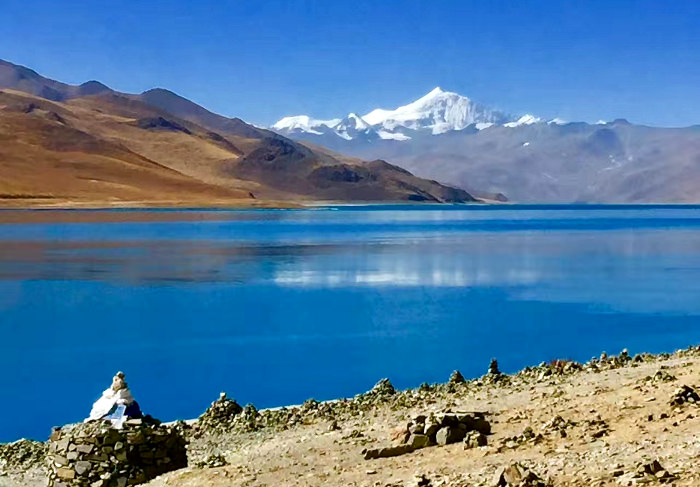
{"x": 524, "y": 120}
{"x": 438, "y": 111}
{"x": 352, "y": 126}
{"x": 304, "y": 123}
{"x": 435, "y": 113}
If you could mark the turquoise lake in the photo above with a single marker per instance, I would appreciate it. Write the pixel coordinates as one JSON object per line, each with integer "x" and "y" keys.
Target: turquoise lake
{"x": 278, "y": 306}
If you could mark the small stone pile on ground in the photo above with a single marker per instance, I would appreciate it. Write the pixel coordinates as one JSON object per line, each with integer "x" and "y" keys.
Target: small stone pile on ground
{"x": 651, "y": 472}
{"x": 558, "y": 426}
{"x": 517, "y": 475}
{"x": 528, "y": 436}
{"x": 456, "y": 378}
{"x": 660, "y": 376}
{"x": 684, "y": 394}
{"x": 212, "y": 461}
{"x": 21, "y": 455}
{"x": 96, "y": 454}
{"x": 436, "y": 429}
{"x": 221, "y": 415}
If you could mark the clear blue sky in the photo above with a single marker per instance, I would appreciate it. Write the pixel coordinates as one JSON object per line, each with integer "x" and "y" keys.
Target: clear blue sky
{"x": 261, "y": 60}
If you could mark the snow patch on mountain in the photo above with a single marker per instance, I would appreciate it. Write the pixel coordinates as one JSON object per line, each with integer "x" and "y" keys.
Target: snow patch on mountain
{"x": 392, "y": 135}
{"x": 524, "y": 120}
{"x": 304, "y": 123}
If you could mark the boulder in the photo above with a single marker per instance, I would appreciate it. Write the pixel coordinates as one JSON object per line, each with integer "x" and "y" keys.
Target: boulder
{"x": 418, "y": 441}
{"x": 450, "y": 434}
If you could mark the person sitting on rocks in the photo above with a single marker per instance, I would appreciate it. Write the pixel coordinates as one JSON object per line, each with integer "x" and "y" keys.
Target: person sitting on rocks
{"x": 116, "y": 403}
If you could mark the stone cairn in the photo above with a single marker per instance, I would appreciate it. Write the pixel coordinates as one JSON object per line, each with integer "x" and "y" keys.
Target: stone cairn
{"x": 96, "y": 454}
{"x": 436, "y": 429}
{"x": 21, "y": 455}
{"x": 517, "y": 475}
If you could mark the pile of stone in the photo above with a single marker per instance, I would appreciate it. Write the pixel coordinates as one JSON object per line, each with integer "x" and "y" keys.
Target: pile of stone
{"x": 21, "y": 455}
{"x": 517, "y": 475}
{"x": 660, "y": 376}
{"x": 221, "y": 415}
{"x": 597, "y": 427}
{"x": 528, "y": 436}
{"x": 684, "y": 394}
{"x": 456, "y": 378}
{"x": 606, "y": 362}
{"x": 382, "y": 390}
{"x": 558, "y": 425}
{"x": 437, "y": 429}
{"x": 544, "y": 371}
{"x": 652, "y": 472}
{"x": 214, "y": 460}
{"x": 97, "y": 454}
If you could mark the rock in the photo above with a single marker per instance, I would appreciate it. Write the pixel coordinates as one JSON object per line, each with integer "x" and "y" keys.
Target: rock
{"x": 432, "y": 425}
{"x": 558, "y": 425}
{"x": 418, "y": 441}
{"x": 213, "y": 461}
{"x": 517, "y": 475}
{"x": 390, "y": 451}
{"x": 421, "y": 480}
{"x": 82, "y": 467}
{"x": 654, "y": 471}
{"x": 220, "y": 415}
{"x": 383, "y": 388}
{"x": 474, "y": 439}
{"x": 449, "y": 434}
{"x": 684, "y": 394}
{"x": 400, "y": 434}
{"x": 416, "y": 428}
{"x": 22, "y": 455}
{"x": 457, "y": 378}
{"x": 475, "y": 422}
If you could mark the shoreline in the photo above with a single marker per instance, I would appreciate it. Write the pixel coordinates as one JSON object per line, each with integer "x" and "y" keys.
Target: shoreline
{"x": 597, "y": 423}
{"x": 611, "y": 361}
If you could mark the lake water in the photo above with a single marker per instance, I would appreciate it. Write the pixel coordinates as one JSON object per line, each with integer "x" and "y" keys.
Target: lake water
{"x": 277, "y": 306}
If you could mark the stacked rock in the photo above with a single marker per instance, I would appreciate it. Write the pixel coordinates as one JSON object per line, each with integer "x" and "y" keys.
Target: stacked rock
{"x": 517, "y": 475}
{"x": 684, "y": 394}
{"x": 97, "y": 454}
{"x": 21, "y": 455}
{"x": 221, "y": 415}
{"x": 493, "y": 368}
{"x": 437, "y": 429}
{"x": 456, "y": 378}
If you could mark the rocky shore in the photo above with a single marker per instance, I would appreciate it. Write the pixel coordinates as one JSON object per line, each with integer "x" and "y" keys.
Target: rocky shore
{"x": 615, "y": 420}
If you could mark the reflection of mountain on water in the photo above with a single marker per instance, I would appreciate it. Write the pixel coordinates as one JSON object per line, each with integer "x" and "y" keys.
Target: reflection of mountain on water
{"x": 146, "y": 263}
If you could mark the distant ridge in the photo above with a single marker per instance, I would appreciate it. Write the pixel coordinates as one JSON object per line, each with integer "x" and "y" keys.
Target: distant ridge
{"x": 89, "y": 143}
{"x": 447, "y": 136}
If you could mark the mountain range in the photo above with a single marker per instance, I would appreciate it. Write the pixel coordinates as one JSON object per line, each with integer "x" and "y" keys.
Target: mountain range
{"x": 64, "y": 144}
{"x": 447, "y": 136}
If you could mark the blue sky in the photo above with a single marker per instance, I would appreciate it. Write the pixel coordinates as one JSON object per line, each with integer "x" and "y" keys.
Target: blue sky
{"x": 261, "y": 60}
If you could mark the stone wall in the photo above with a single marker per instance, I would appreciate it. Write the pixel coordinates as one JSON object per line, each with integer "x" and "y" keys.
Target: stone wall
{"x": 95, "y": 454}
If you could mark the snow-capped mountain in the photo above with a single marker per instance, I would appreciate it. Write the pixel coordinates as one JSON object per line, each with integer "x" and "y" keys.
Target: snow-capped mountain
{"x": 353, "y": 126}
{"x": 436, "y": 113}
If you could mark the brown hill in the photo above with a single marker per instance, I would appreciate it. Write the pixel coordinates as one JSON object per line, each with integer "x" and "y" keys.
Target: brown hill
{"x": 70, "y": 145}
